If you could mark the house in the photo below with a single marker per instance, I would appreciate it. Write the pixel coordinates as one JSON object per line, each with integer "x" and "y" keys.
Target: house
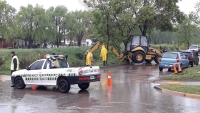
{"x": 19, "y": 43}
{"x": 4, "y": 44}
{"x": 86, "y": 41}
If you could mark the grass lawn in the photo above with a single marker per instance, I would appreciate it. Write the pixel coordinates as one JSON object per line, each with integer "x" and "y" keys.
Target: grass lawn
{"x": 188, "y": 74}
{"x": 183, "y": 88}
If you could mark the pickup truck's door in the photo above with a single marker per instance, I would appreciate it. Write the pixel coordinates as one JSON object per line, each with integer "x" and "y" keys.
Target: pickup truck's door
{"x": 33, "y": 74}
{"x": 49, "y": 75}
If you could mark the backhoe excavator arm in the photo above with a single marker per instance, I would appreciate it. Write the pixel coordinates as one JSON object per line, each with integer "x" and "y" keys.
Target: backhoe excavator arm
{"x": 98, "y": 44}
{"x": 95, "y": 47}
{"x": 114, "y": 49}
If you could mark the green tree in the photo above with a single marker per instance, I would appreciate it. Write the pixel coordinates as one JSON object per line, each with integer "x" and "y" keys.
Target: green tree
{"x": 83, "y": 23}
{"x": 187, "y": 31}
{"x": 118, "y": 18}
{"x": 162, "y": 37}
{"x": 41, "y": 23}
{"x": 71, "y": 25}
{"x": 26, "y": 19}
{"x": 157, "y": 14}
{"x": 113, "y": 19}
{"x": 7, "y": 14}
{"x": 58, "y": 15}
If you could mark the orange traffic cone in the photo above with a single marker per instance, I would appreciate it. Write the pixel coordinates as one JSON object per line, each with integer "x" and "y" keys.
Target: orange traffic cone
{"x": 175, "y": 71}
{"x": 179, "y": 67}
{"x": 33, "y": 87}
{"x": 109, "y": 82}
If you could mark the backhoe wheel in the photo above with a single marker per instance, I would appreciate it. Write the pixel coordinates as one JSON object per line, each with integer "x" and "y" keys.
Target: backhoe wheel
{"x": 157, "y": 58}
{"x": 63, "y": 86}
{"x": 138, "y": 57}
{"x": 148, "y": 61}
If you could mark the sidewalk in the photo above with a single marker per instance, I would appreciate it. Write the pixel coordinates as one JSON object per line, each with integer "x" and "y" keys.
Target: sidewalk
{"x": 176, "y": 92}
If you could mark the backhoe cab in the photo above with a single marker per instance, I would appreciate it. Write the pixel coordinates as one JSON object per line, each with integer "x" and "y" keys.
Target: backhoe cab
{"x": 138, "y": 50}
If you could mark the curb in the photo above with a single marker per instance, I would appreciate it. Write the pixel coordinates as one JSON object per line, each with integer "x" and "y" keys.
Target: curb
{"x": 173, "y": 92}
{"x": 192, "y": 95}
{"x": 169, "y": 82}
{"x": 176, "y": 92}
{"x": 158, "y": 88}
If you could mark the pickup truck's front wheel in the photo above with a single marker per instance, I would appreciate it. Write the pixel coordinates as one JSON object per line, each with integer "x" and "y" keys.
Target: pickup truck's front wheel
{"x": 19, "y": 83}
{"x": 63, "y": 86}
{"x": 83, "y": 86}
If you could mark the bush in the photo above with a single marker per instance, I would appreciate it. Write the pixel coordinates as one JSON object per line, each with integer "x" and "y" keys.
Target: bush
{"x": 2, "y": 60}
{"x": 169, "y": 47}
{"x": 80, "y": 56}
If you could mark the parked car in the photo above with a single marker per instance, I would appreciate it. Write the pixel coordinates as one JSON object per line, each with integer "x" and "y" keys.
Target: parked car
{"x": 173, "y": 58}
{"x": 192, "y": 56}
{"x": 194, "y": 48}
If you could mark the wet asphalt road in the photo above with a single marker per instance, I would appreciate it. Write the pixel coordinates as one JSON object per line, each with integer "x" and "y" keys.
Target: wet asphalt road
{"x": 132, "y": 92}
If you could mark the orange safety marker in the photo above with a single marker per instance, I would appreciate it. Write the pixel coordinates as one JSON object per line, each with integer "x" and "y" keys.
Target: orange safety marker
{"x": 33, "y": 87}
{"x": 179, "y": 67}
{"x": 57, "y": 63}
{"x": 175, "y": 71}
{"x": 109, "y": 82}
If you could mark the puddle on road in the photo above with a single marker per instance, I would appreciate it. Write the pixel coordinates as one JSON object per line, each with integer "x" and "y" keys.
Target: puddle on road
{"x": 4, "y": 78}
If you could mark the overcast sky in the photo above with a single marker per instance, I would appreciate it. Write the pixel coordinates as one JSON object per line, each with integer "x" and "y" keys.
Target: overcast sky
{"x": 72, "y": 5}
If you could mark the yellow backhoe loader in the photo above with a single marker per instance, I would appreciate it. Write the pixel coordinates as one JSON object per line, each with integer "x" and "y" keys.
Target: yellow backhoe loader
{"x": 137, "y": 50}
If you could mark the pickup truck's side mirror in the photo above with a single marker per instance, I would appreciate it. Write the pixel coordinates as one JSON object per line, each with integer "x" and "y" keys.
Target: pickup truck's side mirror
{"x": 28, "y": 68}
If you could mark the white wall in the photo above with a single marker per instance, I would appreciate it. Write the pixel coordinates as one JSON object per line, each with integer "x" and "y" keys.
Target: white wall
{"x": 89, "y": 42}
{"x": 67, "y": 42}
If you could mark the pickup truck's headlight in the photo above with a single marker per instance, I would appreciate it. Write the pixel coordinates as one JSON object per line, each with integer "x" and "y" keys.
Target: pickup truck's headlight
{"x": 80, "y": 71}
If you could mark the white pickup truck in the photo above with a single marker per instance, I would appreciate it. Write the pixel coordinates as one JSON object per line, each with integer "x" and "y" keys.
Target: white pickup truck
{"x": 55, "y": 71}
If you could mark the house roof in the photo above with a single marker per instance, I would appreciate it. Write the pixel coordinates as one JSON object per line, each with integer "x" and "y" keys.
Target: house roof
{"x": 86, "y": 37}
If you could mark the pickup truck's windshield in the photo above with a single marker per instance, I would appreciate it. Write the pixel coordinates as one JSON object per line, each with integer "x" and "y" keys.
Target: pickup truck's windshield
{"x": 59, "y": 63}
{"x": 193, "y": 47}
